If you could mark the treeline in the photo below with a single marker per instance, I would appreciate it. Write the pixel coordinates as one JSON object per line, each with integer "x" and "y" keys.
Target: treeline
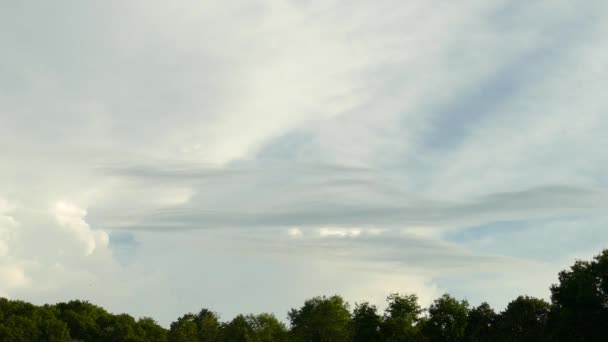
{"x": 578, "y": 311}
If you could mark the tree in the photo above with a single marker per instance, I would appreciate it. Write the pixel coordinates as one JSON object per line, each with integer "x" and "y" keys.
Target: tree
{"x": 208, "y": 324}
{"x": 481, "y": 324}
{"x": 578, "y": 312}
{"x": 366, "y": 323}
{"x": 447, "y": 320}
{"x": 321, "y": 319}
{"x": 267, "y": 328}
{"x": 120, "y": 328}
{"x": 202, "y": 327}
{"x": 51, "y": 328}
{"x": 402, "y": 319}
{"x": 580, "y": 300}
{"x": 185, "y": 329}
{"x": 524, "y": 319}
{"x": 238, "y": 330}
{"x": 83, "y": 319}
{"x": 152, "y": 332}
{"x": 255, "y": 328}
{"x": 21, "y": 321}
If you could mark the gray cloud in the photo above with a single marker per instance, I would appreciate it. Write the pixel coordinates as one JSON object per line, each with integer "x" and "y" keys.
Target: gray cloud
{"x": 316, "y": 195}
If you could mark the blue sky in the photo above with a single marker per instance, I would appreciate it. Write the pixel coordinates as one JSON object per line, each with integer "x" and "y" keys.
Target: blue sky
{"x": 159, "y": 158}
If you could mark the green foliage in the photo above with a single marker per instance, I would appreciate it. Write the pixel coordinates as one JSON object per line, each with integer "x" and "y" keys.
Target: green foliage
{"x": 267, "y": 328}
{"x": 366, "y": 323}
{"x": 151, "y": 331}
{"x": 20, "y": 321}
{"x": 321, "y": 319}
{"x": 208, "y": 324}
{"x": 184, "y": 329}
{"x": 402, "y": 319}
{"x": 239, "y": 329}
{"x": 447, "y": 320}
{"x": 202, "y": 327}
{"x": 578, "y": 312}
{"x": 85, "y": 321}
{"x": 253, "y": 328}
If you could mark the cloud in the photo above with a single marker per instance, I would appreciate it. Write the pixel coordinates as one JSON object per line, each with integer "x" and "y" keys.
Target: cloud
{"x": 12, "y": 277}
{"x": 295, "y": 233}
{"x": 71, "y": 218}
{"x": 339, "y": 232}
{"x": 8, "y": 226}
{"x": 329, "y": 196}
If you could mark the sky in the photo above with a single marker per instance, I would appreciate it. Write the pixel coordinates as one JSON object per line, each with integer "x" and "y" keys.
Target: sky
{"x": 160, "y": 157}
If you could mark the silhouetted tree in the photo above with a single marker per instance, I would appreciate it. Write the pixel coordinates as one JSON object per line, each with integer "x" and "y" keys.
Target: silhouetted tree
{"x": 366, "y": 322}
{"x": 481, "y": 324}
{"x": 525, "y": 319}
{"x": 581, "y": 301}
{"x": 447, "y": 320}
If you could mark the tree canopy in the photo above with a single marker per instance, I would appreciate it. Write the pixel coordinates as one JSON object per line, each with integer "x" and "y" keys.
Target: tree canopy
{"x": 577, "y": 311}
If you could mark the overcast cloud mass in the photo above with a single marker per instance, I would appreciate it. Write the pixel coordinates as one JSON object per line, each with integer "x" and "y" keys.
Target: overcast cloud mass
{"x": 159, "y": 157}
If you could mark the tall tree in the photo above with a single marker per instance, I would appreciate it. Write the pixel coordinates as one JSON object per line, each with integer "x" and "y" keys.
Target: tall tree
{"x": 267, "y": 328}
{"x": 481, "y": 324}
{"x": 402, "y": 319}
{"x": 447, "y": 320}
{"x": 321, "y": 319}
{"x": 238, "y": 329}
{"x": 184, "y": 329}
{"x": 208, "y": 326}
{"x": 366, "y": 323}
{"x": 581, "y": 301}
{"x": 524, "y": 320}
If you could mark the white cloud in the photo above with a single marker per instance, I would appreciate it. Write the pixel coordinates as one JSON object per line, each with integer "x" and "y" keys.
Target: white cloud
{"x": 295, "y": 233}
{"x": 339, "y": 232}
{"x": 71, "y": 217}
{"x": 12, "y": 277}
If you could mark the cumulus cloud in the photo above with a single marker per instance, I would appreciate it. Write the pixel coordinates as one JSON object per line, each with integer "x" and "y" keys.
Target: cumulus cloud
{"x": 71, "y": 217}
